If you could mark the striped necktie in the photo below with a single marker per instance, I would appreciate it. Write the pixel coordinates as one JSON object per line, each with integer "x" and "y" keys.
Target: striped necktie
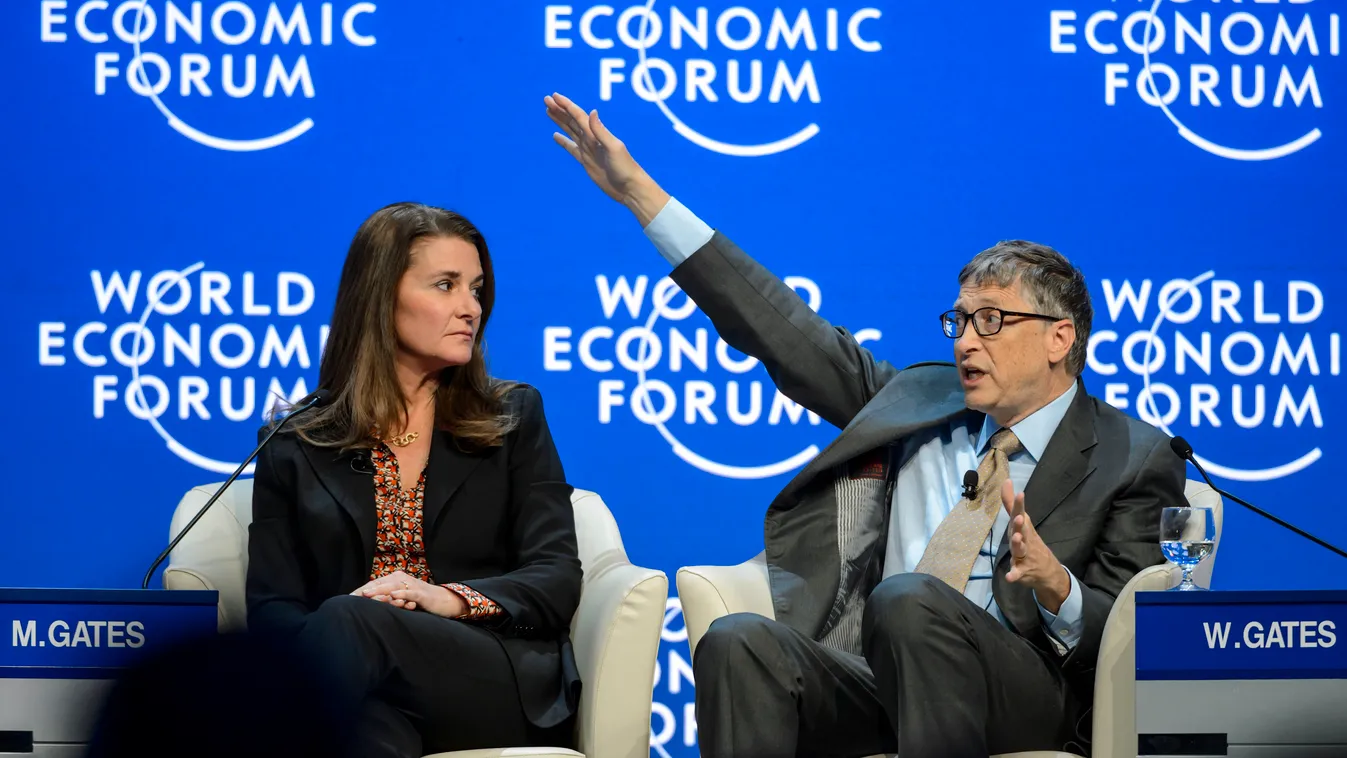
{"x": 956, "y": 542}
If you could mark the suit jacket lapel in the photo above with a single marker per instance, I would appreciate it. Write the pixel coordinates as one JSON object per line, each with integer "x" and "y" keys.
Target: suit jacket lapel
{"x": 1066, "y": 461}
{"x": 446, "y": 471}
{"x": 352, "y": 489}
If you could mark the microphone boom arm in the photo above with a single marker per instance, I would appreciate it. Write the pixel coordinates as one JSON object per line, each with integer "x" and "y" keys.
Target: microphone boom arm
{"x": 1273, "y": 518}
{"x": 318, "y": 398}
{"x": 1184, "y": 450}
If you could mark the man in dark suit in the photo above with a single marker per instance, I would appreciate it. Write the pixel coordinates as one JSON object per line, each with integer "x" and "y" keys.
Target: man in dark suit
{"x": 913, "y": 615}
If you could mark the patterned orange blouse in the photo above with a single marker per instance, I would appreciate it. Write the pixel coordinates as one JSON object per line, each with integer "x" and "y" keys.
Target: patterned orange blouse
{"x": 398, "y": 536}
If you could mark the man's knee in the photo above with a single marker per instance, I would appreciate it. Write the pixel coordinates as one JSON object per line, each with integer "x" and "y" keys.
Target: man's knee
{"x": 740, "y": 656}
{"x": 903, "y": 606}
{"x": 730, "y": 638}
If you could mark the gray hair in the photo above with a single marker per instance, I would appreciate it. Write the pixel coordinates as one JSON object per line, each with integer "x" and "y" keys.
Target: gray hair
{"x": 1048, "y": 281}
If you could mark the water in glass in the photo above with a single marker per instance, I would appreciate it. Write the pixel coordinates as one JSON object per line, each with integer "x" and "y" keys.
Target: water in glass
{"x": 1188, "y": 553}
{"x": 1187, "y": 535}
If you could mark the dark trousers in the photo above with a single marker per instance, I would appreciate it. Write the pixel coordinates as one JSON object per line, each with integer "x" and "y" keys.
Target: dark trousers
{"x": 940, "y": 677}
{"x": 421, "y": 684}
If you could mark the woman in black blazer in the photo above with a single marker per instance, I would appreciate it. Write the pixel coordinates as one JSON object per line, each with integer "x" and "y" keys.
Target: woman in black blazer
{"x": 417, "y": 532}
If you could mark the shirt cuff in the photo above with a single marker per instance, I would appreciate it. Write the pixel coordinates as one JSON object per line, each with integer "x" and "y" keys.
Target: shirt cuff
{"x": 1067, "y": 625}
{"x": 677, "y": 232}
{"x": 479, "y": 606}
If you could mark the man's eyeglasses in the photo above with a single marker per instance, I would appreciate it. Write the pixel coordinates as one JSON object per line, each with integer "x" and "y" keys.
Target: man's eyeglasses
{"x": 986, "y": 321}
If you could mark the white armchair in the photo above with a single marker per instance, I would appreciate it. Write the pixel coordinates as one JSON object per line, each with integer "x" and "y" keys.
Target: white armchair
{"x": 615, "y": 631}
{"x": 709, "y": 592}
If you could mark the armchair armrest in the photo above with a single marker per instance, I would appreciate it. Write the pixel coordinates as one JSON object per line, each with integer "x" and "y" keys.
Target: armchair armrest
{"x": 615, "y": 634}
{"x": 1114, "y": 716}
{"x": 1115, "y": 732}
{"x": 709, "y": 592}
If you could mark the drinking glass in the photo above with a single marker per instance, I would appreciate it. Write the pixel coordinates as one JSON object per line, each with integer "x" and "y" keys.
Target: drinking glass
{"x": 1187, "y": 535}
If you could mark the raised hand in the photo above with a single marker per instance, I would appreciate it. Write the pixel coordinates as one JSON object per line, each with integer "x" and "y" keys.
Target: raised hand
{"x": 1032, "y": 562}
{"x": 605, "y": 158}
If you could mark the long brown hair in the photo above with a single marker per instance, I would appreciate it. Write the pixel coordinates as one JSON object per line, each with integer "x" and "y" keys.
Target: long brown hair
{"x": 358, "y": 365}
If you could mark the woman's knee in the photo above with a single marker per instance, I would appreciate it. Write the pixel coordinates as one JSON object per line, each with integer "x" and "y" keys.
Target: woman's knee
{"x": 348, "y": 613}
{"x": 349, "y": 606}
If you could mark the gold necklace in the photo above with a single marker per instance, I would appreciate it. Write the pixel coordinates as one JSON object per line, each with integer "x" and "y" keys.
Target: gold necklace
{"x": 403, "y": 440}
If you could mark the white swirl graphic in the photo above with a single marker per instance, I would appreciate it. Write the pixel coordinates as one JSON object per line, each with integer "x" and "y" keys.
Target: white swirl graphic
{"x": 683, "y": 451}
{"x": 701, "y": 140}
{"x": 196, "y": 135}
{"x": 177, "y": 448}
{"x": 1224, "y": 151}
{"x": 1235, "y": 474}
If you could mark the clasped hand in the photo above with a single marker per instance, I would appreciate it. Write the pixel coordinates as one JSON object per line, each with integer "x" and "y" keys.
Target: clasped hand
{"x": 1032, "y": 562}
{"x": 406, "y": 591}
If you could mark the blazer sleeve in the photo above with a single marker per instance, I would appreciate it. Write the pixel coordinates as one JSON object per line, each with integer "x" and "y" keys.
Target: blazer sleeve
{"x": 275, "y": 584}
{"x": 541, "y": 594}
{"x": 820, "y": 366}
{"x": 1130, "y": 542}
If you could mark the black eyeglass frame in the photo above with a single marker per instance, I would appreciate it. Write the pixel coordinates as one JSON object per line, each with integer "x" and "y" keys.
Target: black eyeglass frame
{"x": 950, "y": 316}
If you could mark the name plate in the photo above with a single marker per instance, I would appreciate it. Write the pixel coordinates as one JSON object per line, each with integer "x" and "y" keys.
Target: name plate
{"x": 73, "y": 633}
{"x": 1241, "y": 635}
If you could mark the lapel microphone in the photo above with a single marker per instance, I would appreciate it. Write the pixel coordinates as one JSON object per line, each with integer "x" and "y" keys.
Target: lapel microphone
{"x": 970, "y": 484}
{"x": 361, "y": 464}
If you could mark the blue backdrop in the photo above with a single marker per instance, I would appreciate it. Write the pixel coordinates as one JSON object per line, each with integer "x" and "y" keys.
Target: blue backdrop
{"x": 865, "y": 151}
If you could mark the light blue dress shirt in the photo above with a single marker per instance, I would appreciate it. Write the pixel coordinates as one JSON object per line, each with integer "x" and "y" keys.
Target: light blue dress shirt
{"x": 677, "y": 232}
{"x": 929, "y": 484}
{"x": 931, "y": 465}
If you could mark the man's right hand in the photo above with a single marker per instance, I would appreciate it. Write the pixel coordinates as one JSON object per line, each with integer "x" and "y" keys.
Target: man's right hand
{"x": 605, "y": 158}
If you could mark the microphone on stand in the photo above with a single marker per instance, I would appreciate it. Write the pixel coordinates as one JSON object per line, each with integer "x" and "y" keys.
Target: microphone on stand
{"x": 1184, "y": 450}
{"x": 318, "y": 398}
{"x": 970, "y": 484}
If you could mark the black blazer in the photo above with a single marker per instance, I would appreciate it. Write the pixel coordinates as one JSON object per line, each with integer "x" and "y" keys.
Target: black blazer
{"x": 499, "y": 521}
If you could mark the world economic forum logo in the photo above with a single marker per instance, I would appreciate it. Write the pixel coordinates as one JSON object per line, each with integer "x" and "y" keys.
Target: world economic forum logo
{"x": 657, "y": 358}
{"x": 190, "y": 352}
{"x": 693, "y": 63}
{"x": 1245, "y": 362}
{"x": 190, "y": 58}
{"x": 1238, "y": 81}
